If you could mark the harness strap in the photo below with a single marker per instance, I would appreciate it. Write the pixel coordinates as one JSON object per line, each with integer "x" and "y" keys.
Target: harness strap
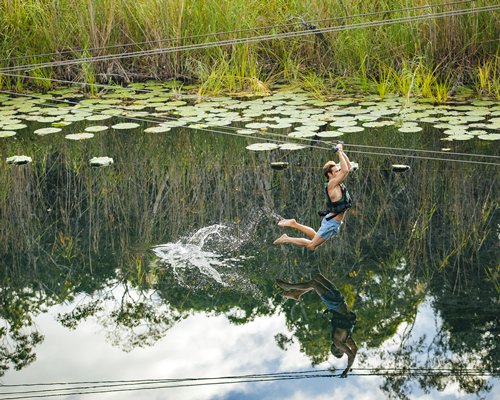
{"x": 332, "y": 216}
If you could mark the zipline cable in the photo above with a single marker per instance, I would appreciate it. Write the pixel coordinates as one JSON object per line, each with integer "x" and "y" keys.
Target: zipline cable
{"x": 265, "y": 27}
{"x": 113, "y": 384}
{"x": 253, "y": 39}
{"x": 458, "y": 371}
{"x": 275, "y": 140}
{"x": 354, "y": 370}
{"x": 83, "y": 391}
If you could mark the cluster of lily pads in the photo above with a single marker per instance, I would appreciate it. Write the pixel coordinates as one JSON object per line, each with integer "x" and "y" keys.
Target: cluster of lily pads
{"x": 289, "y": 115}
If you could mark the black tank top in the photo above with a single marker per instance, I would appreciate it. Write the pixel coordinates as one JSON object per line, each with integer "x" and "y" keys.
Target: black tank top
{"x": 336, "y": 207}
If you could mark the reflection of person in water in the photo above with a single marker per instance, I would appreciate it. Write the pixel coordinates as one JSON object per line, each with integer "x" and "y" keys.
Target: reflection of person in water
{"x": 342, "y": 319}
{"x": 338, "y": 201}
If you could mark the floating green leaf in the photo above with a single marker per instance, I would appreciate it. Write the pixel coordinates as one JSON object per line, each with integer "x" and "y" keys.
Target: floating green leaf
{"x": 410, "y": 129}
{"x": 47, "y": 131}
{"x": 98, "y": 117}
{"x": 79, "y": 136}
{"x": 18, "y": 160}
{"x": 125, "y": 125}
{"x": 490, "y": 136}
{"x": 262, "y": 146}
{"x": 157, "y": 129}
{"x": 350, "y": 129}
{"x": 96, "y": 128}
{"x": 291, "y": 146}
{"x": 14, "y": 127}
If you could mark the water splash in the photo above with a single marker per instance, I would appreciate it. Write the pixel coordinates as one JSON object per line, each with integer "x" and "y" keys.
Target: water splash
{"x": 205, "y": 251}
{"x": 189, "y": 253}
{"x": 270, "y": 213}
{"x": 212, "y": 252}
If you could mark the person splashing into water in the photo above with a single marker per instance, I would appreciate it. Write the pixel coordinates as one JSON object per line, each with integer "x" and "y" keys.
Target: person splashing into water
{"x": 342, "y": 319}
{"x": 338, "y": 201}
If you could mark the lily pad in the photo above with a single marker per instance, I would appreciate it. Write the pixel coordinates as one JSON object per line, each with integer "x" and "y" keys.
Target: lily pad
{"x": 4, "y": 134}
{"x": 98, "y": 117}
{"x": 343, "y": 123}
{"x": 14, "y": 127}
{"x": 96, "y": 128}
{"x": 47, "y": 131}
{"x": 349, "y": 129}
{"x": 157, "y": 129}
{"x": 49, "y": 120}
{"x": 329, "y": 134}
{"x": 256, "y": 125}
{"x": 307, "y": 128}
{"x": 301, "y": 134}
{"x": 100, "y": 161}
{"x": 61, "y": 124}
{"x": 291, "y": 146}
{"x": 79, "y": 136}
{"x": 490, "y": 136}
{"x": 18, "y": 160}
{"x": 74, "y": 118}
{"x": 477, "y": 132}
{"x": 279, "y": 165}
{"x": 125, "y": 125}
{"x": 263, "y": 146}
{"x": 112, "y": 111}
{"x": 245, "y": 131}
{"x": 410, "y": 129}
{"x": 400, "y": 167}
{"x": 460, "y": 137}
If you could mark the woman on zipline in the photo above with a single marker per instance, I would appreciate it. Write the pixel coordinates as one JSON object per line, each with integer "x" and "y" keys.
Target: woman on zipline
{"x": 338, "y": 201}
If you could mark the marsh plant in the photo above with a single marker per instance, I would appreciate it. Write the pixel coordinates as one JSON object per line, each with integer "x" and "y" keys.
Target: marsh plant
{"x": 446, "y": 52}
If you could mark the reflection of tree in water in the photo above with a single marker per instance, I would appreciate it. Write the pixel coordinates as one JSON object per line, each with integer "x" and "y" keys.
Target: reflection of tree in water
{"x": 18, "y": 338}
{"x": 409, "y": 236}
{"x": 131, "y": 318}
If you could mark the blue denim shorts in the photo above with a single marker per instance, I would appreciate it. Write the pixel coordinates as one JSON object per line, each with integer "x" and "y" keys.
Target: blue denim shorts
{"x": 329, "y": 228}
{"x": 333, "y": 299}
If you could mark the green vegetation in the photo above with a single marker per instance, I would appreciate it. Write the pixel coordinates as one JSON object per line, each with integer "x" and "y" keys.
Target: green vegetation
{"x": 432, "y": 58}
{"x": 68, "y": 231}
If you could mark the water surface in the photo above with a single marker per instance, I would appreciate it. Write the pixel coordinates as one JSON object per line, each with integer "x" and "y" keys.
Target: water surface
{"x": 162, "y": 264}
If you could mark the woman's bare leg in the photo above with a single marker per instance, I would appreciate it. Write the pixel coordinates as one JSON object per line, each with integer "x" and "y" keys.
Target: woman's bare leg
{"x": 303, "y": 287}
{"x": 295, "y": 294}
{"x": 301, "y": 242}
{"x": 292, "y": 223}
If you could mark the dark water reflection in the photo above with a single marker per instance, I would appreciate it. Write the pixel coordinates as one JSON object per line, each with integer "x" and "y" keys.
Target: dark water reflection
{"x": 184, "y": 223}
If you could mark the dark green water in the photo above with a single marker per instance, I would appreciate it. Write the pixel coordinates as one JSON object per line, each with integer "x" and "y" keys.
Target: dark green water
{"x": 76, "y": 244}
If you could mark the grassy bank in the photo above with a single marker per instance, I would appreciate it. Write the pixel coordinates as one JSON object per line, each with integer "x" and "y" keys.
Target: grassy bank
{"x": 429, "y": 57}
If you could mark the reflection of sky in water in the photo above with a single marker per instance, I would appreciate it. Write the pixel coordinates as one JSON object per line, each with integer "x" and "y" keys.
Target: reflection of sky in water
{"x": 205, "y": 346}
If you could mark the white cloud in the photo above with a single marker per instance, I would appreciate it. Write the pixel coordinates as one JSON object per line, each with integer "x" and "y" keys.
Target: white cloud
{"x": 201, "y": 346}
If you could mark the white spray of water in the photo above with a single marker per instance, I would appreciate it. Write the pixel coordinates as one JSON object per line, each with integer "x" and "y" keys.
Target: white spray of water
{"x": 188, "y": 253}
{"x": 212, "y": 250}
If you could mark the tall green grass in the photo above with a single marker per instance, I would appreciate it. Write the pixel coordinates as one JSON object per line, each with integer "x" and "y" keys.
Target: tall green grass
{"x": 425, "y": 58}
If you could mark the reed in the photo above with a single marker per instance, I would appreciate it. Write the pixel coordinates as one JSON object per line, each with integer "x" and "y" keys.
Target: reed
{"x": 34, "y": 27}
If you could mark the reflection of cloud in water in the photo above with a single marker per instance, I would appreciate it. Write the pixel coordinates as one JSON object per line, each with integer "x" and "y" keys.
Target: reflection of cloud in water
{"x": 211, "y": 251}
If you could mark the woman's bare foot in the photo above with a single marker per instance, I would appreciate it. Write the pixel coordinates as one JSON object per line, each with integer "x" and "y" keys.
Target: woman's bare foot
{"x": 287, "y": 222}
{"x": 281, "y": 239}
